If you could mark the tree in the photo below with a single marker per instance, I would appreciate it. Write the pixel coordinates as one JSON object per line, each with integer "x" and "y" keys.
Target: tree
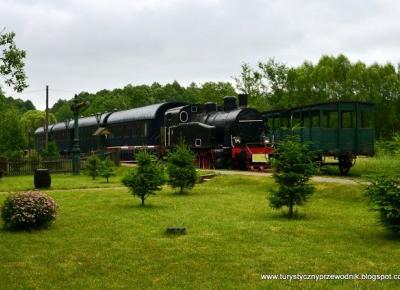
{"x": 12, "y": 62}
{"x": 12, "y": 140}
{"x": 384, "y": 195}
{"x": 293, "y": 166}
{"x": 147, "y": 178}
{"x": 106, "y": 169}
{"x": 52, "y": 150}
{"x": 181, "y": 169}
{"x": 31, "y": 120}
{"x": 93, "y": 165}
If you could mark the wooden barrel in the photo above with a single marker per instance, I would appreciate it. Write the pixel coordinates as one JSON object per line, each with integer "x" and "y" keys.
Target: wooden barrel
{"x": 42, "y": 178}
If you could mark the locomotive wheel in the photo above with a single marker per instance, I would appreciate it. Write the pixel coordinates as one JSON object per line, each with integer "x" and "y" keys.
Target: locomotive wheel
{"x": 345, "y": 163}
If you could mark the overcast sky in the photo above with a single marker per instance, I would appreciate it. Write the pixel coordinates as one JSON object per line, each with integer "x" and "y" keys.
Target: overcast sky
{"x": 90, "y": 45}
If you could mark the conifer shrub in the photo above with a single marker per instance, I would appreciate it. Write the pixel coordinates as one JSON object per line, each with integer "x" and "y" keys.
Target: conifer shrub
{"x": 107, "y": 169}
{"x": 146, "y": 178}
{"x": 181, "y": 169}
{"x": 384, "y": 195}
{"x": 28, "y": 210}
{"x": 92, "y": 167}
{"x": 293, "y": 165}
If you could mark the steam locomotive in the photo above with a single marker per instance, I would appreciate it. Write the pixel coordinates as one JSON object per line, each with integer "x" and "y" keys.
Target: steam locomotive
{"x": 227, "y": 136}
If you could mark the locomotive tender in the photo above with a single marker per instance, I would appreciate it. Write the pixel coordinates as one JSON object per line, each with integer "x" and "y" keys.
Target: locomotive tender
{"x": 221, "y": 136}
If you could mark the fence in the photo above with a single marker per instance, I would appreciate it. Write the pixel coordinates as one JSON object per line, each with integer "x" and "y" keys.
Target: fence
{"x": 28, "y": 166}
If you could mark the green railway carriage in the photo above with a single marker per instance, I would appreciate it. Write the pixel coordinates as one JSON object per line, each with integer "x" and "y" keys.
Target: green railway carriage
{"x": 343, "y": 130}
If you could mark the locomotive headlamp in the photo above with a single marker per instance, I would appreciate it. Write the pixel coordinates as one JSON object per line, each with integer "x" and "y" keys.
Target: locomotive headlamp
{"x": 266, "y": 140}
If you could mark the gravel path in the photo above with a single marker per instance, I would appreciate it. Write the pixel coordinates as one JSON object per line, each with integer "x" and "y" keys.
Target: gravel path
{"x": 322, "y": 179}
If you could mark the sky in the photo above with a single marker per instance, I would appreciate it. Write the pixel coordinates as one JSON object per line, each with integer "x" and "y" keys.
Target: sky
{"x": 90, "y": 45}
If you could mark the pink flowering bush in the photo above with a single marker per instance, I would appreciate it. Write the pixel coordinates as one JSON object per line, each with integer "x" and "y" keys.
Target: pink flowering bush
{"x": 28, "y": 210}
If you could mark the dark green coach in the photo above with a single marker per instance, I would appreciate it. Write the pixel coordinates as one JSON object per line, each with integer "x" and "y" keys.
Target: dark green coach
{"x": 343, "y": 130}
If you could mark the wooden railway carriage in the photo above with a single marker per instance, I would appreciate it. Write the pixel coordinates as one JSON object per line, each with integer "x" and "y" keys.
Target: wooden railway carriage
{"x": 343, "y": 130}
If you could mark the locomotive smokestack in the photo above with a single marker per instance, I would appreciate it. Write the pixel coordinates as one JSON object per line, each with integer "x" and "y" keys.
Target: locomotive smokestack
{"x": 229, "y": 103}
{"x": 243, "y": 100}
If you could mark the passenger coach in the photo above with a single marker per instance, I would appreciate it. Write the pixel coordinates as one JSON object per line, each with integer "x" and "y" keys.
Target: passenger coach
{"x": 342, "y": 130}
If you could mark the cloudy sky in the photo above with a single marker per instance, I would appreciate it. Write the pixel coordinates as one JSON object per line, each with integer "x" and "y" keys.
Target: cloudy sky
{"x": 89, "y": 45}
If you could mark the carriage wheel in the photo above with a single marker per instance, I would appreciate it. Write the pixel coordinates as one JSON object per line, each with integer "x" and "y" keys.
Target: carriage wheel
{"x": 345, "y": 163}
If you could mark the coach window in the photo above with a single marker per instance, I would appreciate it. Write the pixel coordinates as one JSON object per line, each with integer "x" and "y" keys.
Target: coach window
{"x": 315, "y": 118}
{"x": 330, "y": 119}
{"x": 270, "y": 123}
{"x": 348, "y": 119}
{"x": 366, "y": 119}
{"x": 306, "y": 119}
{"x": 296, "y": 120}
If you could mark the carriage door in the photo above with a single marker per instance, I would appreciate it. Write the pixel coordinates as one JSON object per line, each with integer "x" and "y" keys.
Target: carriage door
{"x": 347, "y": 131}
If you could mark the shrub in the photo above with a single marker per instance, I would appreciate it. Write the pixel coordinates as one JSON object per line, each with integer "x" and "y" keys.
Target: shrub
{"x": 106, "y": 169}
{"x": 294, "y": 165}
{"x": 384, "y": 195}
{"x": 28, "y": 210}
{"x": 92, "y": 167}
{"x": 147, "y": 178}
{"x": 52, "y": 150}
{"x": 181, "y": 170}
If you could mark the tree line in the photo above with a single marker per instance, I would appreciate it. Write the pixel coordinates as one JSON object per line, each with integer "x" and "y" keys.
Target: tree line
{"x": 273, "y": 85}
{"x": 269, "y": 84}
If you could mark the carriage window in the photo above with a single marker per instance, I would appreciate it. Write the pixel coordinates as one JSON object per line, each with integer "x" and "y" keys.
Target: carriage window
{"x": 296, "y": 120}
{"x": 314, "y": 118}
{"x": 284, "y": 122}
{"x": 330, "y": 119}
{"x": 139, "y": 129}
{"x": 270, "y": 124}
{"x": 348, "y": 119}
{"x": 306, "y": 120}
{"x": 366, "y": 119}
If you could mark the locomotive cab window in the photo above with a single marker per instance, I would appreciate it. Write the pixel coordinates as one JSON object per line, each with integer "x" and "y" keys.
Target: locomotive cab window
{"x": 330, "y": 119}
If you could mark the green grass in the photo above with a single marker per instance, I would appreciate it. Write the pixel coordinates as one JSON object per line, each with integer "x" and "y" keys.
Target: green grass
{"x": 368, "y": 166}
{"x": 62, "y": 181}
{"x": 104, "y": 239}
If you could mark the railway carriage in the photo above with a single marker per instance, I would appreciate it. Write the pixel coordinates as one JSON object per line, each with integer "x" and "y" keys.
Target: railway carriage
{"x": 342, "y": 130}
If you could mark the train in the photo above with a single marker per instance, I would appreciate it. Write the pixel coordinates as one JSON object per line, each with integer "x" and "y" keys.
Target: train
{"x": 230, "y": 135}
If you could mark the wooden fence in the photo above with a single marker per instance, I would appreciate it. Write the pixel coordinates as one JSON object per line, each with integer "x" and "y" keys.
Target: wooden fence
{"x": 28, "y": 166}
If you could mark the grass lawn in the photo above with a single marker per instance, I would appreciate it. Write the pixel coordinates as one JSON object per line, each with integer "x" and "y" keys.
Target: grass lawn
{"x": 62, "y": 181}
{"x": 366, "y": 166}
{"x": 104, "y": 239}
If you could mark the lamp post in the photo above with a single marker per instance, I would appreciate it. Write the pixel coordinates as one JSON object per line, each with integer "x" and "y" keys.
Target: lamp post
{"x": 100, "y": 135}
{"x": 66, "y": 123}
{"x": 76, "y": 107}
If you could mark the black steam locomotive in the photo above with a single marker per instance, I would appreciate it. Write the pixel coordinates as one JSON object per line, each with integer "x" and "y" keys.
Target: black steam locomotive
{"x": 231, "y": 135}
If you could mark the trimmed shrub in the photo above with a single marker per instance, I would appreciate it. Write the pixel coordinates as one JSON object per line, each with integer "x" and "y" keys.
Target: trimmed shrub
{"x": 92, "y": 167}
{"x": 147, "y": 178}
{"x": 384, "y": 195}
{"x": 106, "y": 169}
{"x": 181, "y": 169}
{"x": 28, "y": 210}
